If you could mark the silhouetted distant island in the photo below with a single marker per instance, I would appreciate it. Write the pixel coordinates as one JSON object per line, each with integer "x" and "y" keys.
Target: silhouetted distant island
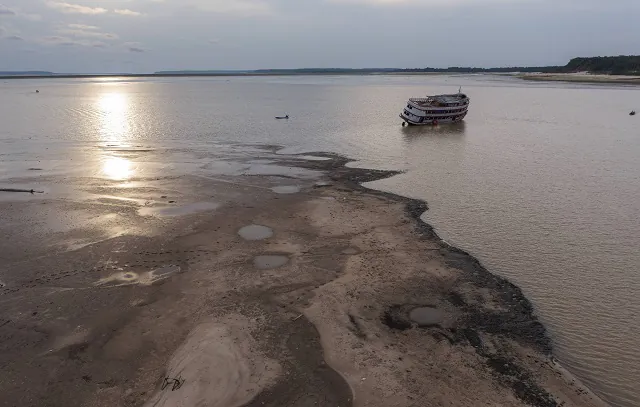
{"x": 620, "y": 65}
{"x": 617, "y": 65}
{"x": 25, "y": 73}
{"x": 203, "y": 72}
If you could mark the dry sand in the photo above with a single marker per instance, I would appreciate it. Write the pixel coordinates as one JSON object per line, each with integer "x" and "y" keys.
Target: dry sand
{"x": 184, "y": 317}
{"x": 582, "y": 77}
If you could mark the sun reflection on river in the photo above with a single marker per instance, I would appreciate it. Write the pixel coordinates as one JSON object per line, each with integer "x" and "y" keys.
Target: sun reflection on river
{"x": 117, "y": 168}
{"x": 114, "y": 112}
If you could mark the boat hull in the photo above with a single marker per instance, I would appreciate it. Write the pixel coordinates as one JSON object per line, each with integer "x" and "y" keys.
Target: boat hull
{"x": 431, "y": 122}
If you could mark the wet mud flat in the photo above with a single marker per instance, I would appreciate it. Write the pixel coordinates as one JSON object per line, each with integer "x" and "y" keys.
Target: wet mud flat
{"x": 287, "y": 292}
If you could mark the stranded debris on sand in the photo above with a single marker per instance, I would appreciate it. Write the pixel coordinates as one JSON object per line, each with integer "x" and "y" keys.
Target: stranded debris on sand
{"x": 31, "y": 191}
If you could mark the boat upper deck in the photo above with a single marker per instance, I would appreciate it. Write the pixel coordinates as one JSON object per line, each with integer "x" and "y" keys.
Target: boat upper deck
{"x": 441, "y": 100}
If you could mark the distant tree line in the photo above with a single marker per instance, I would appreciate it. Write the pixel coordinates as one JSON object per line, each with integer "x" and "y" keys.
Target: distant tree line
{"x": 364, "y": 71}
{"x": 462, "y": 69}
{"x": 620, "y": 65}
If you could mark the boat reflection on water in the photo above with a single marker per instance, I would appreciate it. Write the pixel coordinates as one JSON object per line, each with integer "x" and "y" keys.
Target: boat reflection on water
{"x": 453, "y": 129}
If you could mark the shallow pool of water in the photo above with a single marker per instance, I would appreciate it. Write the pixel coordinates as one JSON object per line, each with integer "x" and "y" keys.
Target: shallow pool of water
{"x": 255, "y": 232}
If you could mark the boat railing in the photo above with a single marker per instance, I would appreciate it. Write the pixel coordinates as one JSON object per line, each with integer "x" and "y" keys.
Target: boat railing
{"x": 439, "y": 108}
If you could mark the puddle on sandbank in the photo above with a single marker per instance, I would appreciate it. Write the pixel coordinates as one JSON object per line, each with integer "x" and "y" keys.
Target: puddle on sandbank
{"x": 270, "y": 261}
{"x": 122, "y": 279}
{"x": 178, "y": 210}
{"x": 278, "y": 170}
{"x": 426, "y": 316}
{"x": 351, "y": 251}
{"x": 255, "y": 232}
{"x": 286, "y": 189}
{"x": 314, "y": 158}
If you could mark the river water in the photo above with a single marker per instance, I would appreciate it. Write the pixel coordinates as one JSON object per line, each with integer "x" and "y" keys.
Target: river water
{"x": 541, "y": 182}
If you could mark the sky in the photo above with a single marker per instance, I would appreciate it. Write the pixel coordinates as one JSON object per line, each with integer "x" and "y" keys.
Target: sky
{"x": 139, "y": 36}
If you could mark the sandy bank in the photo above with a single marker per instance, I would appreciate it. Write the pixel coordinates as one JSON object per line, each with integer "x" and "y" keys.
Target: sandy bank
{"x": 311, "y": 306}
{"x": 584, "y": 78}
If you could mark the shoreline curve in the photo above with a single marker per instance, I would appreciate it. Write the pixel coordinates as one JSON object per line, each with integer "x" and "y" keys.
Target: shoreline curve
{"x": 534, "y": 335}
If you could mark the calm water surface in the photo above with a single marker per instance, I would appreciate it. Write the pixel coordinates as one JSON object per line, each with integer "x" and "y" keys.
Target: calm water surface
{"x": 541, "y": 182}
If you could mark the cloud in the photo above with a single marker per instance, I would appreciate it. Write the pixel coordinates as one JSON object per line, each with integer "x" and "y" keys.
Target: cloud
{"x": 71, "y": 42}
{"x": 133, "y": 47}
{"x": 127, "y": 12}
{"x": 16, "y": 12}
{"x": 56, "y": 40}
{"x": 68, "y": 8}
{"x": 82, "y": 27}
{"x": 15, "y": 38}
{"x": 419, "y": 3}
{"x": 6, "y": 11}
{"x": 53, "y": 38}
{"x": 240, "y": 7}
{"x": 379, "y": 1}
{"x": 87, "y": 34}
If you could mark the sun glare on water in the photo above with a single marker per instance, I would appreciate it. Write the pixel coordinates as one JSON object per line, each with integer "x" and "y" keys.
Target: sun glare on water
{"x": 114, "y": 109}
{"x": 117, "y": 168}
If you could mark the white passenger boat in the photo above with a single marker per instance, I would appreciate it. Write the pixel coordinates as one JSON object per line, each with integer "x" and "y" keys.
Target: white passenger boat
{"x": 436, "y": 109}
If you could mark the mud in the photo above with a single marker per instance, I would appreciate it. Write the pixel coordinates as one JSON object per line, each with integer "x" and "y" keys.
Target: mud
{"x": 178, "y": 210}
{"x": 176, "y": 313}
{"x": 351, "y": 251}
{"x": 426, "y": 316}
{"x": 271, "y": 261}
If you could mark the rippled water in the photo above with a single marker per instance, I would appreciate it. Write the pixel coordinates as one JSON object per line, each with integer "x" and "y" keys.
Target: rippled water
{"x": 541, "y": 181}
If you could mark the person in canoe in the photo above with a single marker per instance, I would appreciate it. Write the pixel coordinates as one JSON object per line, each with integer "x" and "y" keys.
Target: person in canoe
{"x": 282, "y": 117}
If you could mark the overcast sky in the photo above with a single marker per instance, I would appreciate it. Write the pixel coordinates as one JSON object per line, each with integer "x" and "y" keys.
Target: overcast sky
{"x": 150, "y": 35}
